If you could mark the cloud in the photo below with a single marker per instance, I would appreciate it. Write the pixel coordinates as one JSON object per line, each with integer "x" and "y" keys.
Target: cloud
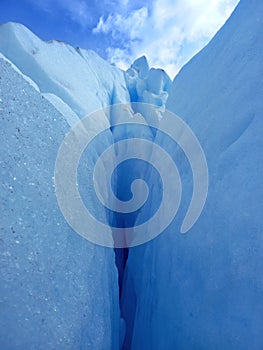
{"x": 169, "y": 35}
{"x": 118, "y": 24}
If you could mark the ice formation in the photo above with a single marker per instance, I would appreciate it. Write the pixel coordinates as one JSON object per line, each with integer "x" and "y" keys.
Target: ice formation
{"x": 51, "y": 294}
{"x": 202, "y": 290}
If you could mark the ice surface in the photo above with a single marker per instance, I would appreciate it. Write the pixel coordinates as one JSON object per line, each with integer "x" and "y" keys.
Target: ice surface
{"x": 57, "y": 290}
{"x": 138, "y": 71}
{"x": 63, "y": 108}
{"x": 147, "y": 85}
{"x": 203, "y": 290}
{"x": 30, "y": 81}
{"x": 78, "y": 77}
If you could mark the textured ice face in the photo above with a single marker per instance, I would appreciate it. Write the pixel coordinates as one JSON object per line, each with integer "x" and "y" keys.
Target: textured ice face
{"x": 204, "y": 290}
{"x": 146, "y": 85}
{"x": 57, "y": 290}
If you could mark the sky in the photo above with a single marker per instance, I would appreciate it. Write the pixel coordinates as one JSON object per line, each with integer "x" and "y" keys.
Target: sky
{"x": 167, "y": 32}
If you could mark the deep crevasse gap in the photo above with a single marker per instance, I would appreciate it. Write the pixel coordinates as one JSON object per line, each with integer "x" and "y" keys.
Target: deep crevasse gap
{"x": 149, "y": 86}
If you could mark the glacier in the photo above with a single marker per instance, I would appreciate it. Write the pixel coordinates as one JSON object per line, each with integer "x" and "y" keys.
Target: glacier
{"x": 200, "y": 290}
{"x": 203, "y": 290}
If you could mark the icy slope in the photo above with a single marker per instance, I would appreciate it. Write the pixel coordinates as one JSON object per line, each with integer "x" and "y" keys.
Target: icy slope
{"x": 80, "y": 78}
{"x": 203, "y": 290}
{"x": 57, "y": 290}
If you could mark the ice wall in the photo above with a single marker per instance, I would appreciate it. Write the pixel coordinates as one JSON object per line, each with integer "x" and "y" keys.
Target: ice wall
{"x": 57, "y": 290}
{"x": 203, "y": 290}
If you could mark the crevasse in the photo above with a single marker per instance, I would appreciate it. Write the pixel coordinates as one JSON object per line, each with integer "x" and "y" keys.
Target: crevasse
{"x": 148, "y": 86}
{"x": 202, "y": 290}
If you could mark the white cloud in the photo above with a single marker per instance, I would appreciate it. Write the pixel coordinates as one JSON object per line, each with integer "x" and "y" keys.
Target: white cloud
{"x": 117, "y": 24}
{"x": 170, "y": 35}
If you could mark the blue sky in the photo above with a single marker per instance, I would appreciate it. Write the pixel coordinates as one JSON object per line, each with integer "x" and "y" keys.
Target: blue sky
{"x": 168, "y": 32}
